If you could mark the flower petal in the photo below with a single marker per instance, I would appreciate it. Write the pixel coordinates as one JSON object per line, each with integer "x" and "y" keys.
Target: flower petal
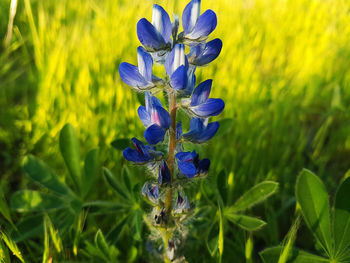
{"x": 206, "y": 24}
{"x": 203, "y": 166}
{"x": 203, "y": 135}
{"x": 131, "y": 76}
{"x": 201, "y": 93}
{"x": 164, "y": 117}
{"x": 179, "y": 79}
{"x": 144, "y": 63}
{"x": 161, "y": 21}
{"x": 212, "y": 107}
{"x": 164, "y": 176}
{"x": 154, "y": 134}
{"x": 133, "y": 155}
{"x": 178, "y": 130}
{"x": 190, "y": 15}
{"x": 185, "y": 163}
{"x": 145, "y": 117}
{"x": 149, "y": 36}
{"x": 175, "y": 59}
{"x": 210, "y": 52}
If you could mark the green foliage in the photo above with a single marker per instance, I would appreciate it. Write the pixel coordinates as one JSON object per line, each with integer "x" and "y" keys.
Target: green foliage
{"x": 226, "y": 213}
{"x": 69, "y": 146}
{"x": 313, "y": 199}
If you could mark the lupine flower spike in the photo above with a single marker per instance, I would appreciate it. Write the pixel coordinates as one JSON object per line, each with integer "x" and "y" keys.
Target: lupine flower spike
{"x": 173, "y": 168}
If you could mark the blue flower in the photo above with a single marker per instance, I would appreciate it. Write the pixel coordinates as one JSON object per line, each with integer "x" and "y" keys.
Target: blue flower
{"x": 190, "y": 165}
{"x": 176, "y": 66}
{"x": 142, "y": 153}
{"x": 139, "y": 77}
{"x": 200, "y": 131}
{"x": 197, "y": 27}
{"x": 164, "y": 176}
{"x": 203, "y": 107}
{"x": 204, "y": 53}
{"x": 155, "y": 36}
{"x": 155, "y": 118}
{"x": 151, "y": 191}
{"x": 182, "y": 204}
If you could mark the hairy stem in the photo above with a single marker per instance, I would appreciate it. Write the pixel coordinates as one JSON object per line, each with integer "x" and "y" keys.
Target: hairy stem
{"x": 171, "y": 151}
{"x": 170, "y": 163}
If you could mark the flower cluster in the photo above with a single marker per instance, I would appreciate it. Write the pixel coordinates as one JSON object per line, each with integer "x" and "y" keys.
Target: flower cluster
{"x": 161, "y": 43}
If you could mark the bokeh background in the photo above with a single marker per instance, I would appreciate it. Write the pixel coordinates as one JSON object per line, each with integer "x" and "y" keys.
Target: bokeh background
{"x": 284, "y": 74}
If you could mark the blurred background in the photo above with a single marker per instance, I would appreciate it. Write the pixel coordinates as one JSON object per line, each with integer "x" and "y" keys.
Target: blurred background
{"x": 284, "y": 74}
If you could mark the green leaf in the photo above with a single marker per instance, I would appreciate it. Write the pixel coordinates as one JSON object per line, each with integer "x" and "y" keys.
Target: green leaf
{"x": 56, "y": 240}
{"x": 212, "y": 240}
{"x": 115, "y": 233}
{"x": 246, "y": 222}
{"x": 342, "y": 219}
{"x": 272, "y": 255}
{"x": 4, "y": 253}
{"x": 313, "y": 199}
{"x": 226, "y": 126}
{"x": 255, "y": 195}
{"x": 12, "y": 246}
{"x": 90, "y": 171}
{"x": 4, "y": 209}
{"x": 115, "y": 185}
{"x": 121, "y": 144}
{"x": 105, "y": 207}
{"x": 222, "y": 185}
{"x": 137, "y": 224}
{"x": 221, "y": 234}
{"x": 69, "y": 147}
{"x": 30, "y": 227}
{"x": 38, "y": 171}
{"x": 30, "y": 201}
{"x": 126, "y": 177}
{"x": 101, "y": 243}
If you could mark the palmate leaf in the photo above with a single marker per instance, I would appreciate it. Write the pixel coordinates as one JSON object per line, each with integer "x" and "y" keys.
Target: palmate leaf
{"x": 313, "y": 199}
{"x": 255, "y": 195}
{"x": 272, "y": 255}
{"x": 114, "y": 184}
{"x": 38, "y": 171}
{"x": 212, "y": 240}
{"x": 91, "y": 166}
{"x": 69, "y": 147}
{"x": 342, "y": 219}
{"x": 246, "y": 222}
{"x": 31, "y": 201}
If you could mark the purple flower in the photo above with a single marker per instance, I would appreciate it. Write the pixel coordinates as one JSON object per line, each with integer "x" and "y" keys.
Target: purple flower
{"x": 176, "y": 66}
{"x": 142, "y": 153}
{"x": 204, "y": 53}
{"x": 155, "y": 118}
{"x": 139, "y": 77}
{"x": 182, "y": 204}
{"x": 190, "y": 165}
{"x": 155, "y": 36}
{"x": 164, "y": 174}
{"x": 203, "y": 107}
{"x": 151, "y": 191}
{"x": 197, "y": 27}
{"x": 200, "y": 131}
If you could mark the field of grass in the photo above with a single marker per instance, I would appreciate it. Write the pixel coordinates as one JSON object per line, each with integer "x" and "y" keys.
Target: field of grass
{"x": 284, "y": 74}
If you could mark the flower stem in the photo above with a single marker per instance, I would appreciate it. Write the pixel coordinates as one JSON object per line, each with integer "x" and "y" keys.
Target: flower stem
{"x": 171, "y": 151}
